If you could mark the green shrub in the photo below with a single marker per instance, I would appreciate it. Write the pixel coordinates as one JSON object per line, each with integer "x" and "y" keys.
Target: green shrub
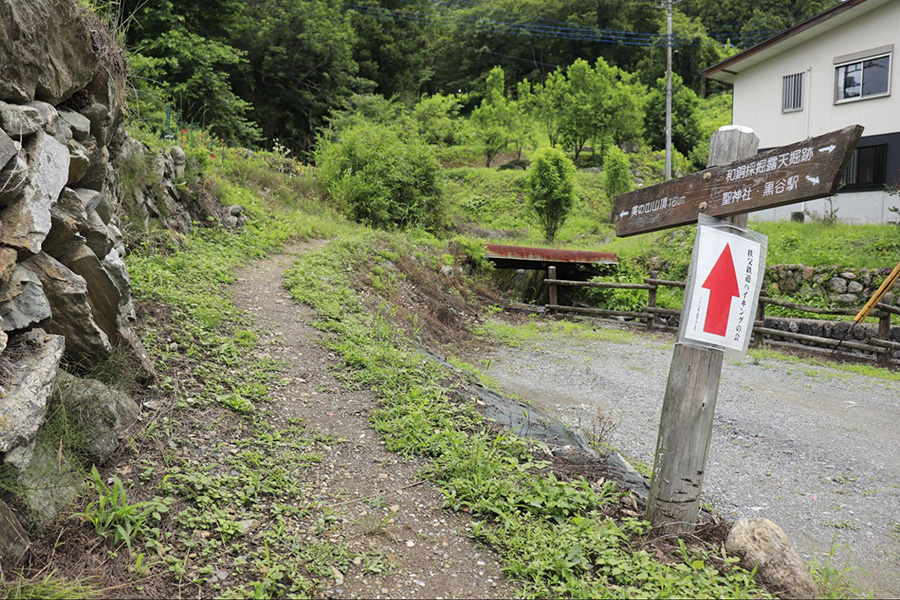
{"x": 617, "y": 174}
{"x": 381, "y": 178}
{"x": 616, "y": 299}
{"x": 551, "y": 189}
{"x": 436, "y": 117}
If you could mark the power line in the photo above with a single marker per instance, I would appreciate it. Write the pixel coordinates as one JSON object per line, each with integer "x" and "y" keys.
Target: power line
{"x": 531, "y": 29}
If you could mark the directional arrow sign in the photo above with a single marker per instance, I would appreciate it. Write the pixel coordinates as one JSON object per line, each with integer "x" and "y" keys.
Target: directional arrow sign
{"x": 724, "y": 283}
{"x": 723, "y": 286}
{"x": 802, "y": 171}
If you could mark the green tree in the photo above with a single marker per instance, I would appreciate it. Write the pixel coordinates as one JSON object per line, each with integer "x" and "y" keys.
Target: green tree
{"x": 626, "y": 106}
{"x": 549, "y": 103}
{"x": 493, "y": 118}
{"x": 395, "y": 52}
{"x": 685, "y": 125}
{"x": 437, "y": 118}
{"x": 694, "y": 52}
{"x": 301, "y": 66}
{"x": 177, "y": 60}
{"x": 584, "y": 115}
{"x": 551, "y": 189}
{"x": 616, "y": 174}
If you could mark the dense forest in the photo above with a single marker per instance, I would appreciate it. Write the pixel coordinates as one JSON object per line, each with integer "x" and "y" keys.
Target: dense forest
{"x": 276, "y": 70}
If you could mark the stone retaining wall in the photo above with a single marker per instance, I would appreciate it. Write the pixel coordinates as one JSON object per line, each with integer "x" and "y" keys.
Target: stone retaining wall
{"x": 834, "y": 285}
{"x": 65, "y": 292}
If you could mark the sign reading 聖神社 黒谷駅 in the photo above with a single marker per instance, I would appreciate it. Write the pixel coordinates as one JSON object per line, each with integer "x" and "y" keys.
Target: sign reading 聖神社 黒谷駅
{"x": 802, "y": 171}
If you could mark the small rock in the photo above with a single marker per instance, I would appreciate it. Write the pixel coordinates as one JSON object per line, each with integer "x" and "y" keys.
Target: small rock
{"x": 761, "y": 544}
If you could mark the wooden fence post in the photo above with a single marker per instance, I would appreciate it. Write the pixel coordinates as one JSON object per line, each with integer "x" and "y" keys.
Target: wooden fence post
{"x": 685, "y": 426}
{"x": 761, "y": 317}
{"x": 551, "y": 274}
{"x": 884, "y": 331}
{"x": 651, "y": 300}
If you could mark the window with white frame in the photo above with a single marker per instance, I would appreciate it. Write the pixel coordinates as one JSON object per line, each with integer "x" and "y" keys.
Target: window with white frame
{"x": 862, "y": 78}
{"x": 792, "y": 93}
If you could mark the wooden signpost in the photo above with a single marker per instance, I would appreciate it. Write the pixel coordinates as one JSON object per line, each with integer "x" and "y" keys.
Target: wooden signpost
{"x": 749, "y": 182}
{"x": 802, "y": 171}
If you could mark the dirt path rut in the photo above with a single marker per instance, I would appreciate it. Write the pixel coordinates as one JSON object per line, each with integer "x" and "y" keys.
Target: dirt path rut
{"x": 376, "y": 500}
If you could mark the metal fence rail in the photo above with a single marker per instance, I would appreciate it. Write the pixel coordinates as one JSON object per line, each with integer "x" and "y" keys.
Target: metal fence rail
{"x": 881, "y": 344}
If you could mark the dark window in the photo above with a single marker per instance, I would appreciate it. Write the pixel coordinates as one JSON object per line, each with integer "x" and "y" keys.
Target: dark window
{"x": 792, "y": 92}
{"x": 867, "y": 168}
{"x": 857, "y": 80}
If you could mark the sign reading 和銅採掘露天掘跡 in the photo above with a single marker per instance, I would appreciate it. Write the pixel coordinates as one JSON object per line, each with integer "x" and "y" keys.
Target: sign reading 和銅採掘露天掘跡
{"x": 786, "y": 175}
{"x": 720, "y": 302}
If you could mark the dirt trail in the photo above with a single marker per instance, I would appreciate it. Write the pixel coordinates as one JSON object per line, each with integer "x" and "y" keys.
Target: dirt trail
{"x": 376, "y": 498}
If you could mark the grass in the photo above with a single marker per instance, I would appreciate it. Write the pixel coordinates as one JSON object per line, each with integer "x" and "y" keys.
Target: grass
{"x": 491, "y": 204}
{"x": 174, "y": 516}
{"x": 759, "y": 354}
{"x": 519, "y": 335}
{"x": 556, "y": 538}
{"x": 46, "y": 585}
{"x": 833, "y": 579}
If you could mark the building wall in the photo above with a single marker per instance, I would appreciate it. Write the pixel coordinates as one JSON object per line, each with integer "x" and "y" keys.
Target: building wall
{"x": 758, "y": 102}
{"x": 758, "y": 90}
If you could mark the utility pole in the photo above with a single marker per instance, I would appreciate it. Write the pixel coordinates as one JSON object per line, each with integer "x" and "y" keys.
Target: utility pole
{"x": 668, "y": 90}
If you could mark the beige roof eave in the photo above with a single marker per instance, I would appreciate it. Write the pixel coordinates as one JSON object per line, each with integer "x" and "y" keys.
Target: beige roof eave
{"x": 820, "y": 24}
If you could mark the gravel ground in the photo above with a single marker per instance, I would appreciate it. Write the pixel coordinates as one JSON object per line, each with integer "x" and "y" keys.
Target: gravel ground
{"x": 814, "y": 449}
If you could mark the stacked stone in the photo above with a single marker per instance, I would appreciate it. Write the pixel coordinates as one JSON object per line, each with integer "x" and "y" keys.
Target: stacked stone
{"x": 65, "y": 293}
{"x": 843, "y": 287}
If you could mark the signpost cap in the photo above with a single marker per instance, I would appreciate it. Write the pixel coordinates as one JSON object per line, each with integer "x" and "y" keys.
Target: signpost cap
{"x": 740, "y": 128}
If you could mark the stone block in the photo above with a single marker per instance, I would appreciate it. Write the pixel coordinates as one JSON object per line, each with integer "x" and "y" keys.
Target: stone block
{"x": 14, "y": 541}
{"x": 78, "y": 124}
{"x": 25, "y": 224}
{"x": 23, "y": 304}
{"x": 23, "y": 410}
{"x": 79, "y": 162}
{"x": 46, "y": 51}
{"x": 73, "y": 317}
{"x": 103, "y": 414}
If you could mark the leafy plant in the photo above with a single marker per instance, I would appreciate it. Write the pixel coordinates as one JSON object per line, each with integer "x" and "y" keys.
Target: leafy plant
{"x": 551, "y": 185}
{"x": 112, "y": 514}
{"x": 833, "y": 580}
{"x": 619, "y": 299}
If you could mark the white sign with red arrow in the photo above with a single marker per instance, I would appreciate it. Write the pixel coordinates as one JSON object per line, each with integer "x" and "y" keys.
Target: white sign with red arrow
{"x": 723, "y": 287}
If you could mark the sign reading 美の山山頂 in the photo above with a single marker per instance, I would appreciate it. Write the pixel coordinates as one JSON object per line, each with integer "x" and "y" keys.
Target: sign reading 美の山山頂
{"x": 720, "y": 302}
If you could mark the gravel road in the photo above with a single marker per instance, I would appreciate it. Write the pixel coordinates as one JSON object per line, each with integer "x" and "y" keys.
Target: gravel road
{"x": 814, "y": 449}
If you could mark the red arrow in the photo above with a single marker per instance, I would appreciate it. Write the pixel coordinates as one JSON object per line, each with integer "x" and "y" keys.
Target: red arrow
{"x": 722, "y": 284}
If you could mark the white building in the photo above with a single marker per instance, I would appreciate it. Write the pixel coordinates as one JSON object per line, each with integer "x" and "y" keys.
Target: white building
{"x": 833, "y": 70}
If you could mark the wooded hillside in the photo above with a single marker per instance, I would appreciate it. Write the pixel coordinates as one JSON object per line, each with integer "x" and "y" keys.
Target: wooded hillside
{"x": 257, "y": 72}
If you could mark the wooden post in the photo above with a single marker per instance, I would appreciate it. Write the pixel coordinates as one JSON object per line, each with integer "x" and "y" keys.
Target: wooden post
{"x": 684, "y": 435}
{"x": 685, "y": 427}
{"x": 551, "y": 274}
{"x": 728, "y": 144}
{"x": 884, "y": 331}
{"x": 761, "y": 317}
{"x": 651, "y": 301}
